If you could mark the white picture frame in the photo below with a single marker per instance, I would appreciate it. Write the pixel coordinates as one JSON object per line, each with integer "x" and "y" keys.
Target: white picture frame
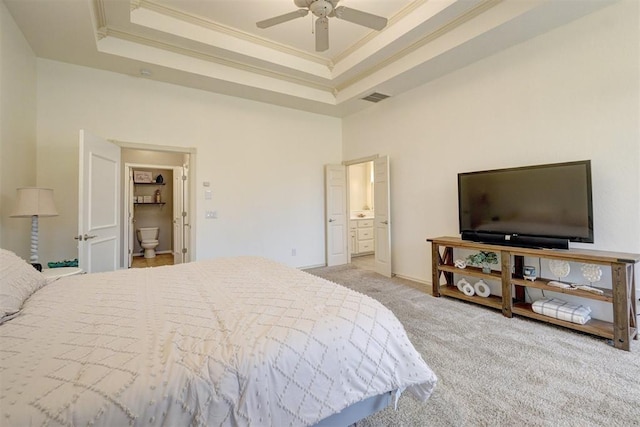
{"x": 142, "y": 177}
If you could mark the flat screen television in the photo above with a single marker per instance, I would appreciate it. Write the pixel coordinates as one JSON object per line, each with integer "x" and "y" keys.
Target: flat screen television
{"x": 544, "y": 206}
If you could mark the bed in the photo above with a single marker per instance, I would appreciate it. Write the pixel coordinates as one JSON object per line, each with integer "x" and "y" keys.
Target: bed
{"x": 240, "y": 341}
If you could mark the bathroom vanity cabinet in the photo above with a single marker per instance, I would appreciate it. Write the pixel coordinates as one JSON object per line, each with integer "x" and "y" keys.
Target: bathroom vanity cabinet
{"x": 361, "y": 235}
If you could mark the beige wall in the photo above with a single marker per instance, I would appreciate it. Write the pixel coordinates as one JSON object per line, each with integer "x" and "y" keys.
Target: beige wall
{"x": 17, "y": 131}
{"x": 570, "y": 94}
{"x": 264, "y": 163}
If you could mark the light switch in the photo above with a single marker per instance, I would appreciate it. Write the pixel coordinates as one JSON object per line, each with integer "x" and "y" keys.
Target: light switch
{"x": 208, "y": 194}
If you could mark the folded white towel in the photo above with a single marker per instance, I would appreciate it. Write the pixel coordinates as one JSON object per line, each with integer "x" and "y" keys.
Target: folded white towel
{"x": 554, "y": 307}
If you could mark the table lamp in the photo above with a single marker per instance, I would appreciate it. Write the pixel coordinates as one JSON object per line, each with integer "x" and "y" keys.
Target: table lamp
{"x": 34, "y": 202}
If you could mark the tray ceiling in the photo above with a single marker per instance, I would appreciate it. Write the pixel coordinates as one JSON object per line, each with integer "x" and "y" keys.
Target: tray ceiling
{"x": 215, "y": 45}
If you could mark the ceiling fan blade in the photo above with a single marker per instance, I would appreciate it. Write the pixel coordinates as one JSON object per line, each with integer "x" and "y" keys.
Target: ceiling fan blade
{"x": 361, "y": 18}
{"x": 282, "y": 18}
{"x": 322, "y": 34}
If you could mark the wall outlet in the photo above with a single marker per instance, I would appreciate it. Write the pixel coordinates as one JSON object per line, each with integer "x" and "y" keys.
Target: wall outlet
{"x": 211, "y": 214}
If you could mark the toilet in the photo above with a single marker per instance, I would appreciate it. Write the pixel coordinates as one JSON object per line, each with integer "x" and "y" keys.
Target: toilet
{"x": 148, "y": 238}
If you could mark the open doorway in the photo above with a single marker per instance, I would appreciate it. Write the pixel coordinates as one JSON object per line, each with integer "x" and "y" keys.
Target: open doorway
{"x": 155, "y": 226}
{"x": 150, "y": 238}
{"x": 361, "y": 208}
{"x": 338, "y": 216}
{"x": 369, "y": 209}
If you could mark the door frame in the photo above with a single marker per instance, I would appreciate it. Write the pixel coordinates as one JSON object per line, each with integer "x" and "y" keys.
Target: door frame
{"x": 190, "y": 188}
{"x": 180, "y": 223}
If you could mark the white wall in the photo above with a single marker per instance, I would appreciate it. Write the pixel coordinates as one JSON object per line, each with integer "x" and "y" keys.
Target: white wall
{"x": 17, "y": 130}
{"x": 570, "y": 94}
{"x": 264, "y": 163}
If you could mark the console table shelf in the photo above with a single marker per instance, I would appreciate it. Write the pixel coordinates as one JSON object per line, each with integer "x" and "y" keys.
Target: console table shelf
{"x": 594, "y": 326}
{"x": 472, "y": 271}
{"x": 621, "y": 295}
{"x": 607, "y": 294}
{"x": 491, "y": 301}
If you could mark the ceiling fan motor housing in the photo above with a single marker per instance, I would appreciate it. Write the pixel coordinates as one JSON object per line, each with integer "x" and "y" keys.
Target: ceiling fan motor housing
{"x": 321, "y": 8}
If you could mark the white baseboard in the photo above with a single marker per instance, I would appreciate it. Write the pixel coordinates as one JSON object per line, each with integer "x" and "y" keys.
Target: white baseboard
{"x": 413, "y": 279}
{"x": 311, "y": 266}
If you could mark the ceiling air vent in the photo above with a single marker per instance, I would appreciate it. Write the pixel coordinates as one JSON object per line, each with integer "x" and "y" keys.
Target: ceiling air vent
{"x": 375, "y": 97}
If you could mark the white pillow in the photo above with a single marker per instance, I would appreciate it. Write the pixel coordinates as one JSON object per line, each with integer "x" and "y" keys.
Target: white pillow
{"x": 18, "y": 280}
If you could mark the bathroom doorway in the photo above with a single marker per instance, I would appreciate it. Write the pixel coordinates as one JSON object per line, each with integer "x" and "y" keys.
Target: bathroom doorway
{"x": 368, "y": 208}
{"x": 156, "y": 201}
{"x": 360, "y": 205}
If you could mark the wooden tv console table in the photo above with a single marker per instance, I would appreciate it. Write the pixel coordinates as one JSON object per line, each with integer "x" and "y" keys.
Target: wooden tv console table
{"x": 621, "y": 295}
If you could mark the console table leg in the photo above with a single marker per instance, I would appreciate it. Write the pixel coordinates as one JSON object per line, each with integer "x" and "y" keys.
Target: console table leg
{"x": 622, "y": 313}
{"x": 507, "y": 300}
{"x": 435, "y": 273}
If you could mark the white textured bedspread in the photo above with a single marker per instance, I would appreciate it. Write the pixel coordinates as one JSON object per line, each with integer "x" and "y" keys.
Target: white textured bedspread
{"x": 234, "y": 341}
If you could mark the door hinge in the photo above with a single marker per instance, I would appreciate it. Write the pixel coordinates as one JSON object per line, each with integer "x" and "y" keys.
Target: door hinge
{"x": 184, "y": 177}
{"x": 184, "y": 214}
{"x": 184, "y": 250}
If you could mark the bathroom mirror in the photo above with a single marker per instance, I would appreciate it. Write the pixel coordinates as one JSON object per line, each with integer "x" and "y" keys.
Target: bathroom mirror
{"x": 361, "y": 189}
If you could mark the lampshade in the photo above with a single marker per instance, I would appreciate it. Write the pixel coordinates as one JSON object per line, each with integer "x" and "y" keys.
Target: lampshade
{"x": 34, "y": 201}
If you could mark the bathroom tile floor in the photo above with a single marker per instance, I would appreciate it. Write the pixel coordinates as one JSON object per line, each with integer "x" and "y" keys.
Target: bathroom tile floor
{"x": 160, "y": 259}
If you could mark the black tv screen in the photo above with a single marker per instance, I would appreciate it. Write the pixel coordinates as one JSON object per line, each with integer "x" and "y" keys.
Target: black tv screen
{"x": 544, "y": 201}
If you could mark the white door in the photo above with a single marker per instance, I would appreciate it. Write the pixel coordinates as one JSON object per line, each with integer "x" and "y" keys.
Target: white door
{"x": 382, "y": 214}
{"x": 336, "y": 214}
{"x": 99, "y": 204}
{"x": 180, "y": 223}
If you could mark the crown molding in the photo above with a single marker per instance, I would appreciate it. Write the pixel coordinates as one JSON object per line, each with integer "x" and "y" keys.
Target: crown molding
{"x": 135, "y": 38}
{"x": 464, "y": 17}
{"x": 99, "y": 17}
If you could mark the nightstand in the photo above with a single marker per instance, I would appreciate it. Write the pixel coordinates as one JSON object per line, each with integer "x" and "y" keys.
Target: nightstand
{"x": 55, "y": 273}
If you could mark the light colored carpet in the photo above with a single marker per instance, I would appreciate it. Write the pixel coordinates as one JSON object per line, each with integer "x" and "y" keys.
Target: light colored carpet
{"x": 495, "y": 371}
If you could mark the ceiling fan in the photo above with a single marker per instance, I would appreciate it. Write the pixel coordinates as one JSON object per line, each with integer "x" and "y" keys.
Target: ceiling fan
{"x": 325, "y": 9}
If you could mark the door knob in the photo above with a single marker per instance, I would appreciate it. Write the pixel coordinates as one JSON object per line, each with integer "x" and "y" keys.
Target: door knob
{"x": 85, "y": 237}
{"x": 385, "y": 222}
{"x": 331, "y": 219}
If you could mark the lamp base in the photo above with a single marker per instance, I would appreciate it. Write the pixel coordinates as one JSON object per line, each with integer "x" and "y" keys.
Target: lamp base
{"x": 34, "y": 240}
{"x": 37, "y": 266}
